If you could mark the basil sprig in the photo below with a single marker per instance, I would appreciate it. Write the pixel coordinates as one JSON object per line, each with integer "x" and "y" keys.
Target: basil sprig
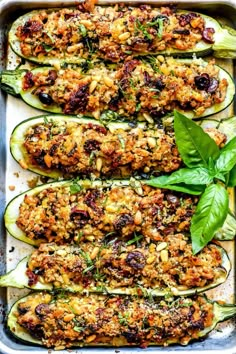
{"x": 208, "y": 172}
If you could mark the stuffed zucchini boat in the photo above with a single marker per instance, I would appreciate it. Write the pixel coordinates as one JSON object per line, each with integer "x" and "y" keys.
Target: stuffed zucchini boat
{"x": 69, "y": 320}
{"x": 74, "y": 211}
{"x": 115, "y": 33}
{"x": 68, "y": 211}
{"x": 134, "y": 267}
{"x": 57, "y": 146}
{"x": 136, "y": 90}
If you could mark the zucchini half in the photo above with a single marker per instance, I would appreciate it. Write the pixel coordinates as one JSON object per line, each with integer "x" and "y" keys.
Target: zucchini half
{"x": 45, "y": 303}
{"x": 12, "y": 82}
{"x": 12, "y": 209}
{"x": 224, "y": 43}
{"x": 19, "y": 153}
{"x": 18, "y": 278}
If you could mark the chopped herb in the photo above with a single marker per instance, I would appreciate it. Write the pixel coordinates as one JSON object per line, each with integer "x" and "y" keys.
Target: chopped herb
{"x": 91, "y": 157}
{"x": 98, "y": 275}
{"x": 75, "y": 187}
{"x": 78, "y": 329}
{"x": 89, "y": 44}
{"x": 88, "y": 261}
{"x": 83, "y": 30}
{"x": 152, "y": 61}
{"x": 128, "y": 52}
{"x": 109, "y": 116}
{"x": 91, "y": 267}
{"x": 138, "y": 107}
{"x": 121, "y": 89}
{"x": 51, "y": 37}
{"x": 123, "y": 318}
{"x": 47, "y": 47}
{"x": 134, "y": 240}
{"x": 45, "y": 119}
{"x": 86, "y": 65}
{"x": 121, "y": 140}
{"x": 143, "y": 29}
{"x": 101, "y": 289}
{"x": 158, "y": 24}
{"x": 78, "y": 238}
{"x": 105, "y": 201}
{"x": 179, "y": 303}
{"x": 132, "y": 83}
{"x": 160, "y": 27}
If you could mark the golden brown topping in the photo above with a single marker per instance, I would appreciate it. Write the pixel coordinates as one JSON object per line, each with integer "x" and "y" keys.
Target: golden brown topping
{"x": 69, "y": 320}
{"x": 132, "y": 263}
{"x": 135, "y": 89}
{"x": 62, "y": 214}
{"x": 112, "y": 32}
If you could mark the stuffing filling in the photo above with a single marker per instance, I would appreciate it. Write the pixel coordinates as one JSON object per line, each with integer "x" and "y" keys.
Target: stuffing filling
{"x": 135, "y": 263}
{"x": 111, "y": 33}
{"x": 71, "y": 214}
{"x": 67, "y": 319}
{"x": 73, "y": 148}
{"x": 143, "y": 89}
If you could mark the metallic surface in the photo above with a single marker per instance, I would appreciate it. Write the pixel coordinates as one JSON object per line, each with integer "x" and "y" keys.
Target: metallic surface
{"x": 12, "y": 110}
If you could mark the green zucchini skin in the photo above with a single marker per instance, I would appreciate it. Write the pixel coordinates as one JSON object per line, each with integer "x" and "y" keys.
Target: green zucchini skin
{"x": 17, "y": 278}
{"x": 12, "y": 83}
{"x": 19, "y": 153}
{"x": 224, "y": 43}
{"x": 220, "y": 313}
{"x": 12, "y": 209}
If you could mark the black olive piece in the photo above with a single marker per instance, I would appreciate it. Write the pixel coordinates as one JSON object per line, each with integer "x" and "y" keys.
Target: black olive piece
{"x": 159, "y": 84}
{"x": 22, "y": 309}
{"x": 122, "y": 221}
{"x": 185, "y": 19}
{"x": 133, "y": 124}
{"x": 38, "y": 271}
{"x": 202, "y": 81}
{"x": 136, "y": 260}
{"x": 207, "y": 35}
{"x": 173, "y": 199}
{"x": 45, "y": 98}
{"x": 91, "y": 145}
{"x": 214, "y": 83}
{"x": 131, "y": 336}
{"x": 42, "y": 309}
{"x": 182, "y": 31}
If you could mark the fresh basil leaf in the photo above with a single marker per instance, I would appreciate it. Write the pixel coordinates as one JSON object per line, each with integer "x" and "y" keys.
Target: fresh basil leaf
{"x": 232, "y": 177}
{"x": 228, "y": 230}
{"x": 209, "y": 216}
{"x": 194, "y": 145}
{"x": 227, "y": 159}
{"x": 181, "y": 187}
{"x": 198, "y": 176}
{"x": 220, "y": 176}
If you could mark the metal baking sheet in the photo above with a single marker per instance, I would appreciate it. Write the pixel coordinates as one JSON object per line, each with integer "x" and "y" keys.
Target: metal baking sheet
{"x": 13, "y": 180}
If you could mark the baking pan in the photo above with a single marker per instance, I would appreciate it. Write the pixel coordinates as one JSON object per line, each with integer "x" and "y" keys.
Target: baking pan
{"x": 13, "y": 181}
